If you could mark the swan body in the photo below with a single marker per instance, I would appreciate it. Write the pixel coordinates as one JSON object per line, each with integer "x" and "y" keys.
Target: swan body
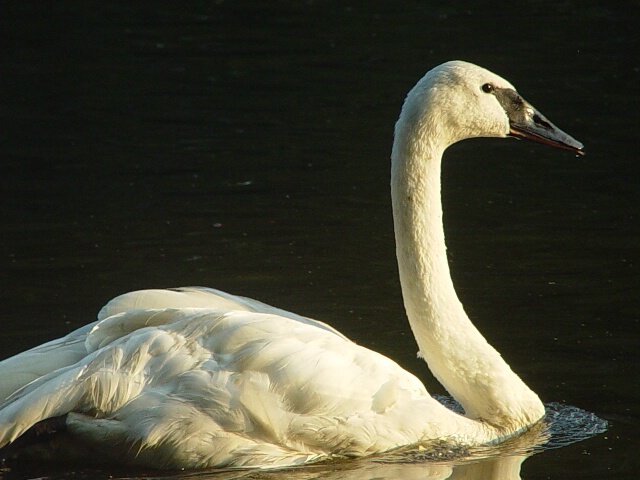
{"x": 194, "y": 377}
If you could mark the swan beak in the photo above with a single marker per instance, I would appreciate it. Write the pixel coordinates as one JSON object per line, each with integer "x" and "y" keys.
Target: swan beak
{"x": 527, "y": 122}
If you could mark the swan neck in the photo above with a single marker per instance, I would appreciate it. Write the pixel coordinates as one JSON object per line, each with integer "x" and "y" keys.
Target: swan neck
{"x": 427, "y": 287}
{"x": 457, "y": 354}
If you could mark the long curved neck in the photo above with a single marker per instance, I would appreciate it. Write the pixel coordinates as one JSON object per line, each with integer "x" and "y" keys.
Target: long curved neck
{"x": 457, "y": 354}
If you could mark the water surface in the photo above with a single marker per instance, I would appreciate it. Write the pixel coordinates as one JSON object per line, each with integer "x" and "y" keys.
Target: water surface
{"x": 245, "y": 146}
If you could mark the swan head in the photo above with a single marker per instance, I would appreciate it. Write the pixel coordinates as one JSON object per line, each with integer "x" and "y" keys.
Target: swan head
{"x": 459, "y": 100}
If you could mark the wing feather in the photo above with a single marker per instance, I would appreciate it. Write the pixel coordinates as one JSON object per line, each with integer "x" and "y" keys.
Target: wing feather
{"x": 177, "y": 385}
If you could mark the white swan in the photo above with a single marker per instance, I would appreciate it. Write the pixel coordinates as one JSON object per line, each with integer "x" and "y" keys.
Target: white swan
{"x": 198, "y": 378}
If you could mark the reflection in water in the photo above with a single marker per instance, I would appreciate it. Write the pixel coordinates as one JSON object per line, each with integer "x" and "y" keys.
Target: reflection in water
{"x": 502, "y": 468}
{"x": 563, "y": 425}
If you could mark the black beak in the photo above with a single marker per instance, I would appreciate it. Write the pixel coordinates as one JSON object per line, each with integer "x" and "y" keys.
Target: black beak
{"x": 526, "y": 122}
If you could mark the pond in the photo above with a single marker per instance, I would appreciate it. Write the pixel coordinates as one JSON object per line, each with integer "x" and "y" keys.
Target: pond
{"x": 245, "y": 146}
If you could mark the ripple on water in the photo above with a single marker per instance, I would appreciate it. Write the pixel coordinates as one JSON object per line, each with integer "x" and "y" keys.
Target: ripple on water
{"x": 563, "y": 425}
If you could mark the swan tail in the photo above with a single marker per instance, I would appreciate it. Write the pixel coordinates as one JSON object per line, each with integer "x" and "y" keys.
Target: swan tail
{"x": 24, "y": 368}
{"x": 97, "y": 382}
{"x": 49, "y": 396}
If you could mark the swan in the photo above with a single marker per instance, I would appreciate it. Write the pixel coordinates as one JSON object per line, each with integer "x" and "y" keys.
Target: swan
{"x": 195, "y": 378}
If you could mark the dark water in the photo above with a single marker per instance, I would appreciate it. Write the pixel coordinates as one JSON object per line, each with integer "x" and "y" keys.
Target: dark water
{"x": 245, "y": 145}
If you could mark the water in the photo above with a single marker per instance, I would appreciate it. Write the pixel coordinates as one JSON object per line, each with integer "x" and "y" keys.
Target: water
{"x": 245, "y": 145}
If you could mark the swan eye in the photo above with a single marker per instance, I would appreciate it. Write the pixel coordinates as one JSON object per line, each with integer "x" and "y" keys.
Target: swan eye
{"x": 488, "y": 88}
